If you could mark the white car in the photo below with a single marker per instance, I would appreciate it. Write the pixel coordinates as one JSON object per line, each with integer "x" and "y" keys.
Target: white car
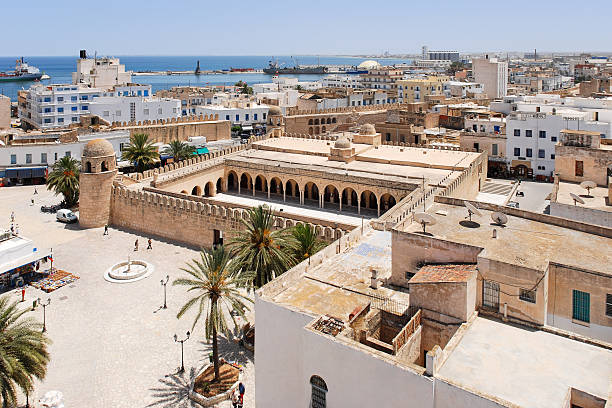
{"x": 65, "y": 215}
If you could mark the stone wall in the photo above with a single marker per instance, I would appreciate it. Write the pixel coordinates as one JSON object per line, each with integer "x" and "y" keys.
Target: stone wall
{"x": 165, "y": 131}
{"x": 94, "y": 198}
{"x": 595, "y": 164}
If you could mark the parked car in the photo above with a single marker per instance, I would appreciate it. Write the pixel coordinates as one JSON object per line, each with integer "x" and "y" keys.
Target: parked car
{"x": 66, "y": 216}
{"x": 513, "y": 204}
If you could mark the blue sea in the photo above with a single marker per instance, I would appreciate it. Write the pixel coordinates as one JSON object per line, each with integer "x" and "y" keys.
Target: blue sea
{"x": 60, "y": 69}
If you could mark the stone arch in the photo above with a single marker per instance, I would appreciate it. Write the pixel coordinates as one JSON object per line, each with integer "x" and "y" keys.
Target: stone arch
{"x": 310, "y": 121}
{"x": 387, "y": 201}
{"x": 196, "y": 191}
{"x": 349, "y": 197}
{"x": 232, "y": 181}
{"x": 209, "y": 189}
{"x": 184, "y": 192}
{"x": 333, "y": 120}
{"x": 329, "y": 121}
{"x": 331, "y": 194}
{"x": 261, "y": 183}
{"x": 276, "y": 186}
{"x": 323, "y": 129}
{"x": 369, "y": 200}
{"x": 292, "y": 188}
{"x": 316, "y": 121}
{"x": 310, "y": 130}
{"x": 311, "y": 191}
{"x": 219, "y": 185}
{"x": 245, "y": 181}
{"x": 88, "y": 167}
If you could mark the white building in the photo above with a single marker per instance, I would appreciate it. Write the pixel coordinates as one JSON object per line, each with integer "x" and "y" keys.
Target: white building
{"x": 100, "y": 72}
{"x": 134, "y": 108}
{"x": 492, "y": 74}
{"x": 532, "y": 136}
{"x": 279, "y": 84}
{"x": 284, "y": 99}
{"x": 27, "y": 152}
{"x": 341, "y": 81}
{"x": 462, "y": 89}
{"x": 247, "y": 113}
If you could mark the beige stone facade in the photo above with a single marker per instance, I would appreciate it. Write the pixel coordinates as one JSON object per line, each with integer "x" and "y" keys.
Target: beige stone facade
{"x": 580, "y": 156}
{"x": 5, "y": 112}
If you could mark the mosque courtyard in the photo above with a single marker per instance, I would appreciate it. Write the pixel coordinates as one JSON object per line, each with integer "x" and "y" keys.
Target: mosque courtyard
{"x": 113, "y": 344}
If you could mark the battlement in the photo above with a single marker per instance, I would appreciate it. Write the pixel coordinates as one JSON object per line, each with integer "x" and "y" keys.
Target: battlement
{"x": 348, "y": 109}
{"x": 166, "y": 122}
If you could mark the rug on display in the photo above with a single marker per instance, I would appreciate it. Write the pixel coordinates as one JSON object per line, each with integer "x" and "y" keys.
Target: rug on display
{"x": 55, "y": 280}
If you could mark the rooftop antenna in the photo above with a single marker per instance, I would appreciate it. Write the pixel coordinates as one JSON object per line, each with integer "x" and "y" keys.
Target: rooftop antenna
{"x": 471, "y": 210}
{"x": 588, "y": 184}
{"x": 576, "y": 199}
{"x": 424, "y": 219}
{"x": 499, "y": 218}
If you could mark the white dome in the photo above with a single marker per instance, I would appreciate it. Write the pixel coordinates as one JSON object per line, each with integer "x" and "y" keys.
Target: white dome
{"x": 369, "y": 64}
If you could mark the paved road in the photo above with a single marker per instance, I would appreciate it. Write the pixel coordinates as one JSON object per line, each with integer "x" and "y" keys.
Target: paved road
{"x": 535, "y": 196}
{"x": 112, "y": 346}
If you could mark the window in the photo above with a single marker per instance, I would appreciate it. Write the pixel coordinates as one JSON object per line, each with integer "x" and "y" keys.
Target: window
{"x": 47, "y": 99}
{"x": 517, "y": 151}
{"x": 55, "y": 156}
{"x": 60, "y": 110}
{"x": 67, "y": 154}
{"x": 528, "y": 133}
{"x": 517, "y": 132}
{"x": 254, "y": 116}
{"x": 608, "y": 304}
{"x": 73, "y": 98}
{"x": 541, "y": 153}
{"x": 74, "y": 108}
{"x": 528, "y": 295}
{"x": 146, "y": 112}
{"x": 227, "y": 117}
{"x": 542, "y": 134}
{"x": 47, "y": 120}
{"x": 494, "y": 149}
{"x": 13, "y": 159}
{"x": 409, "y": 275}
{"x": 528, "y": 152}
{"x": 139, "y": 93}
{"x": 84, "y": 107}
{"x": 160, "y": 111}
{"x": 83, "y": 97}
{"x": 237, "y": 118}
{"x": 106, "y": 113}
{"x": 146, "y": 92}
{"x": 28, "y": 158}
{"x": 246, "y": 116}
{"x": 43, "y": 157}
{"x": 118, "y": 113}
{"x": 552, "y": 156}
{"x": 319, "y": 392}
{"x": 75, "y": 119}
{"x": 60, "y": 99}
{"x": 581, "y": 305}
{"x": 579, "y": 170}
{"x": 553, "y": 138}
{"x": 60, "y": 120}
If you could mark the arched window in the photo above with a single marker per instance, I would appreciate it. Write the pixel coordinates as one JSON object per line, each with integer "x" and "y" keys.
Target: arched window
{"x": 104, "y": 167}
{"x": 88, "y": 166}
{"x": 319, "y": 392}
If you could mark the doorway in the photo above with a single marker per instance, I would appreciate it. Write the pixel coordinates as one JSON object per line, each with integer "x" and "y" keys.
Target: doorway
{"x": 490, "y": 294}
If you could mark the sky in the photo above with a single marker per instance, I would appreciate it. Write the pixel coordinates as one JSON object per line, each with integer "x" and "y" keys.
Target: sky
{"x": 306, "y": 27}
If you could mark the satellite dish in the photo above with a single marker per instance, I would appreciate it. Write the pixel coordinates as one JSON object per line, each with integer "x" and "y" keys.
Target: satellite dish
{"x": 576, "y": 199}
{"x": 471, "y": 209}
{"x": 499, "y": 218}
{"x": 424, "y": 219}
{"x": 588, "y": 184}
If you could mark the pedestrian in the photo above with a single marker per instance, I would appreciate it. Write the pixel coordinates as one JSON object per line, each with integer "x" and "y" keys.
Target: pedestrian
{"x": 22, "y": 294}
{"x": 12, "y": 228}
{"x": 136, "y": 245}
{"x": 17, "y": 229}
{"x": 32, "y": 201}
{"x": 235, "y": 400}
{"x": 12, "y": 216}
{"x": 35, "y": 190}
{"x": 105, "y": 229}
{"x": 241, "y": 389}
{"x": 149, "y": 244}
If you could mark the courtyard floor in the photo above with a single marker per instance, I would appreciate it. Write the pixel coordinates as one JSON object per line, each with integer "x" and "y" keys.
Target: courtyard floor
{"x": 112, "y": 344}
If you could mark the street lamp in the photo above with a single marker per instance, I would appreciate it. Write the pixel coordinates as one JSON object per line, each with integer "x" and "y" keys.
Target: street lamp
{"x": 44, "y": 305}
{"x": 164, "y": 282}
{"x": 182, "y": 369}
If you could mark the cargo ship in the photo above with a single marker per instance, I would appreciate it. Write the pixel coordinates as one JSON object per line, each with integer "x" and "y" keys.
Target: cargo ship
{"x": 22, "y": 72}
{"x": 275, "y": 69}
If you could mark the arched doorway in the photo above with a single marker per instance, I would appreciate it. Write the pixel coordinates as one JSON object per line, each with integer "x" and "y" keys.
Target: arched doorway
{"x": 331, "y": 196}
{"x": 209, "y": 189}
{"x": 245, "y": 182}
{"x": 292, "y": 190}
{"x": 349, "y": 198}
{"x": 387, "y": 201}
{"x": 311, "y": 192}
{"x": 232, "y": 181}
{"x": 276, "y": 186}
{"x": 196, "y": 191}
{"x": 260, "y": 184}
{"x": 368, "y": 200}
{"x": 220, "y": 185}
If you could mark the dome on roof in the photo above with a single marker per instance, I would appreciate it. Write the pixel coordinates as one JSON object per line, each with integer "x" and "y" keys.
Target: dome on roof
{"x": 342, "y": 142}
{"x": 98, "y": 148}
{"x": 367, "y": 129}
{"x": 369, "y": 64}
{"x": 274, "y": 110}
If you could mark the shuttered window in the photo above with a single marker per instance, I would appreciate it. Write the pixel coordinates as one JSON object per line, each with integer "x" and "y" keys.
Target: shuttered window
{"x": 581, "y": 304}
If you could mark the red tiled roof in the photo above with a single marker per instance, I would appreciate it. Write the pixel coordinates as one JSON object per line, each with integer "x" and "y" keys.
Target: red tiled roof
{"x": 444, "y": 273}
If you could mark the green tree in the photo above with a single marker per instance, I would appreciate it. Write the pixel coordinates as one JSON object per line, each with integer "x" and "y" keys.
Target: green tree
{"x": 455, "y": 66}
{"x": 64, "y": 179}
{"x": 305, "y": 242}
{"x": 23, "y": 352}
{"x": 141, "y": 151}
{"x": 215, "y": 280}
{"x": 179, "y": 150}
{"x": 260, "y": 249}
{"x": 299, "y": 88}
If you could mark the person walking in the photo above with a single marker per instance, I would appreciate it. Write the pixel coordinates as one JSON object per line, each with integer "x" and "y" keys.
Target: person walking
{"x": 105, "y": 230}
{"x": 12, "y": 216}
{"x": 149, "y": 244}
{"x": 35, "y": 190}
{"x": 136, "y": 245}
{"x": 32, "y": 201}
{"x": 242, "y": 390}
{"x": 17, "y": 229}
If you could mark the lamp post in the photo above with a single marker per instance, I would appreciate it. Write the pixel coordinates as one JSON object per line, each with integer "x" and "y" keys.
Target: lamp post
{"x": 182, "y": 369}
{"x": 164, "y": 282}
{"x": 44, "y": 305}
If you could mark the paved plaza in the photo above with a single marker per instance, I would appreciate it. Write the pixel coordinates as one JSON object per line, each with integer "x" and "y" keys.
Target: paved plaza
{"x": 112, "y": 344}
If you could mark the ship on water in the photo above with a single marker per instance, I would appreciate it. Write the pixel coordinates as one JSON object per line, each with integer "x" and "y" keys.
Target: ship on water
{"x": 22, "y": 72}
{"x": 275, "y": 69}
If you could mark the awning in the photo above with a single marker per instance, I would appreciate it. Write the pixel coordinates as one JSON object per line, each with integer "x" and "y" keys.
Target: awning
{"x": 33, "y": 257}
{"x": 25, "y": 172}
{"x": 202, "y": 150}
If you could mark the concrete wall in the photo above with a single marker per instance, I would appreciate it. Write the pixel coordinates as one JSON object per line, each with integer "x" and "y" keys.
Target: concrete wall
{"x": 562, "y": 281}
{"x": 450, "y": 298}
{"x": 582, "y": 214}
{"x": 595, "y": 164}
{"x": 450, "y": 395}
{"x": 5, "y": 112}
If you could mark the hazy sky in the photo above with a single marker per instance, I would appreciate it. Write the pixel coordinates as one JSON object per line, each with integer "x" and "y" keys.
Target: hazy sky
{"x": 287, "y": 27}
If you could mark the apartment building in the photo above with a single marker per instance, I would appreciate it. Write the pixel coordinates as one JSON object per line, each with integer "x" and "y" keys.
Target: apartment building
{"x": 127, "y": 109}
{"x": 381, "y": 78}
{"x": 5, "y": 112}
{"x": 416, "y": 89}
{"x": 492, "y": 74}
{"x": 341, "y": 81}
{"x": 460, "y": 89}
{"x": 238, "y": 113}
{"x": 100, "y": 72}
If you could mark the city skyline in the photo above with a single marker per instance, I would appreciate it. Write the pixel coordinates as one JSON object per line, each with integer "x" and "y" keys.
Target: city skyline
{"x": 340, "y": 28}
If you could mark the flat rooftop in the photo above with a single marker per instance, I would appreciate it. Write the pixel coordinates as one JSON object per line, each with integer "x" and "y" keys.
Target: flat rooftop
{"x": 529, "y": 368}
{"x": 524, "y": 242}
{"x": 597, "y": 199}
{"x": 342, "y": 282}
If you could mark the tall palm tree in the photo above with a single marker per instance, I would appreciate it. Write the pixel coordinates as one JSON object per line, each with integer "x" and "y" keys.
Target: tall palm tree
{"x": 215, "y": 279}
{"x": 260, "y": 249}
{"x": 141, "y": 151}
{"x": 305, "y": 242}
{"x": 23, "y": 352}
{"x": 64, "y": 179}
{"x": 179, "y": 150}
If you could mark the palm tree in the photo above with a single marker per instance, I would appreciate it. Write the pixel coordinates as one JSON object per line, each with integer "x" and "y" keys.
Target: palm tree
{"x": 215, "y": 279}
{"x": 179, "y": 150}
{"x": 141, "y": 151}
{"x": 23, "y": 352}
{"x": 64, "y": 179}
{"x": 260, "y": 249}
{"x": 305, "y": 242}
